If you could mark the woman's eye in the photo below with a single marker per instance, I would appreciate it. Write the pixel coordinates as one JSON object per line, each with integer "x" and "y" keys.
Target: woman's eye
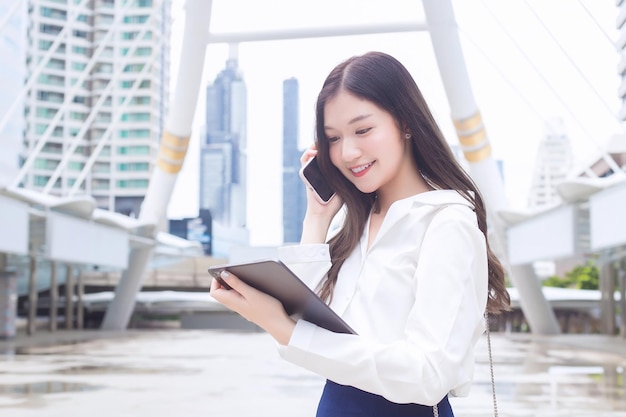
{"x": 333, "y": 139}
{"x": 363, "y": 131}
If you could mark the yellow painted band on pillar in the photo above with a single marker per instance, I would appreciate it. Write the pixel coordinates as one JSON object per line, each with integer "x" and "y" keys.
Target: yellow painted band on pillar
{"x": 172, "y": 153}
{"x": 165, "y": 152}
{"x": 473, "y": 139}
{"x": 174, "y": 141}
{"x": 468, "y": 124}
{"x": 478, "y": 154}
{"x": 169, "y": 167}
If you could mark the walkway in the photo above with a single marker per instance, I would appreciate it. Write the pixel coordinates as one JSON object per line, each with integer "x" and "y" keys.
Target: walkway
{"x": 224, "y": 373}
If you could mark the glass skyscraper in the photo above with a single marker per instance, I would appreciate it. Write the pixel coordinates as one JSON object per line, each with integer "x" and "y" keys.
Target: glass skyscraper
{"x": 223, "y": 161}
{"x": 294, "y": 195}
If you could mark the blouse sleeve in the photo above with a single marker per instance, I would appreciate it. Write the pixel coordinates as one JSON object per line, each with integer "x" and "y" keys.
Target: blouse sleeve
{"x": 435, "y": 355}
{"x": 310, "y": 262}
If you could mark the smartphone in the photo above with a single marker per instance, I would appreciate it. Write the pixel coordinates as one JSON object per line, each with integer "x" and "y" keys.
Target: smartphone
{"x": 313, "y": 178}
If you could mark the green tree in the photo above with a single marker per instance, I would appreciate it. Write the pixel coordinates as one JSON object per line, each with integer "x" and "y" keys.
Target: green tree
{"x": 582, "y": 277}
{"x": 585, "y": 277}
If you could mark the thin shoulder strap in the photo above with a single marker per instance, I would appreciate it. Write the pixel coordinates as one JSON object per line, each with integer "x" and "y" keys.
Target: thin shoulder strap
{"x": 493, "y": 380}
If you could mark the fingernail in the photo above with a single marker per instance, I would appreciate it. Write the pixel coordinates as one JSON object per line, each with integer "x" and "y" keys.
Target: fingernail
{"x": 224, "y": 274}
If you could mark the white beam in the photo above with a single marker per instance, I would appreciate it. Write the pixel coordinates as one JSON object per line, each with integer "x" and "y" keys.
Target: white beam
{"x": 304, "y": 33}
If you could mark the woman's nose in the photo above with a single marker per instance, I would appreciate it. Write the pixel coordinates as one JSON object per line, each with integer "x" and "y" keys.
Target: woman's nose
{"x": 350, "y": 150}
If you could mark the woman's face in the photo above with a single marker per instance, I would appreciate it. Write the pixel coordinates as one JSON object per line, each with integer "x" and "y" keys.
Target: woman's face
{"x": 366, "y": 144}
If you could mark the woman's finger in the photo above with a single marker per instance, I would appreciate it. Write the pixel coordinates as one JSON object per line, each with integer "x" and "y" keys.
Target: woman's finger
{"x": 235, "y": 283}
{"x": 308, "y": 154}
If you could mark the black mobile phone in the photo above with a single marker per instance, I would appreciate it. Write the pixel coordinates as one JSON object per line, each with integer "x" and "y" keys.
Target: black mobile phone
{"x": 313, "y": 178}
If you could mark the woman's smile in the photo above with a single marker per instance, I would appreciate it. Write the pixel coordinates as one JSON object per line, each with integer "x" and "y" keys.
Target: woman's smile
{"x": 361, "y": 170}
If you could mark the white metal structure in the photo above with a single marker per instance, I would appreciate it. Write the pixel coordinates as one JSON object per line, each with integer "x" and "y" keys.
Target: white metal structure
{"x": 442, "y": 27}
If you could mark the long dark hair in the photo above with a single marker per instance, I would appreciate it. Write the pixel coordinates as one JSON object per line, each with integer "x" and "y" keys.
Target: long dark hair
{"x": 384, "y": 81}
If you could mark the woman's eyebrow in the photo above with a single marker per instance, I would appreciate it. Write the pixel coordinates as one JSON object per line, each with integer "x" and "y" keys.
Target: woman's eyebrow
{"x": 352, "y": 121}
{"x": 359, "y": 118}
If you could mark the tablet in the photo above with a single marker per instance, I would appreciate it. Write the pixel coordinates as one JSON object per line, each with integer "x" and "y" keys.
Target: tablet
{"x": 276, "y": 279}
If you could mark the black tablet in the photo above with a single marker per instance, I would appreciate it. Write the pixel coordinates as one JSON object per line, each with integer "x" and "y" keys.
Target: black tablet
{"x": 276, "y": 279}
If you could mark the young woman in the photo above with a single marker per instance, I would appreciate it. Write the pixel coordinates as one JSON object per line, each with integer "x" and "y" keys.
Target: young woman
{"x": 409, "y": 269}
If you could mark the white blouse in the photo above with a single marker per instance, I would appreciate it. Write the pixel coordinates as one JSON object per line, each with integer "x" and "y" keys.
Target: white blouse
{"x": 416, "y": 299}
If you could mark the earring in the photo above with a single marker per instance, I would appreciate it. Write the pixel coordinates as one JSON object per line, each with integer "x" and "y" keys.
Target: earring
{"x": 407, "y": 136}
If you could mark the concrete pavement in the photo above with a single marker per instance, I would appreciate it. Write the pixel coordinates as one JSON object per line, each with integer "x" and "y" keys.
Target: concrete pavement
{"x": 222, "y": 373}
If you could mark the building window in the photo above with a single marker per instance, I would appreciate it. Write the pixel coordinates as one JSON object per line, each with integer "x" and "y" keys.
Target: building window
{"x": 54, "y": 63}
{"x": 134, "y": 183}
{"x": 50, "y": 96}
{"x": 51, "y": 79}
{"x": 46, "y": 164}
{"x": 74, "y": 115}
{"x": 136, "y": 117}
{"x": 80, "y": 50}
{"x": 79, "y": 34}
{"x": 53, "y": 13}
{"x": 133, "y": 68}
{"x": 136, "y": 19}
{"x": 134, "y": 166}
{"x": 133, "y": 150}
{"x": 101, "y": 167}
{"x": 44, "y": 45}
{"x": 129, "y": 36}
{"x": 41, "y": 180}
{"x": 134, "y": 133}
{"x": 46, "y": 113}
{"x": 50, "y": 29}
{"x": 143, "y": 51}
{"x": 75, "y": 165}
{"x": 100, "y": 184}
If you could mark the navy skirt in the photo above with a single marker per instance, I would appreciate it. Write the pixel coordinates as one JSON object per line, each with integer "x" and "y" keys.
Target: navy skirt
{"x": 345, "y": 401}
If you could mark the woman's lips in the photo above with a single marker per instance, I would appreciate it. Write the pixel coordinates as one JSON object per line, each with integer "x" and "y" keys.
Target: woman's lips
{"x": 361, "y": 170}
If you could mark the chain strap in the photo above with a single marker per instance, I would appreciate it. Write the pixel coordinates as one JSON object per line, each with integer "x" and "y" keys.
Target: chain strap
{"x": 493, "y": 380}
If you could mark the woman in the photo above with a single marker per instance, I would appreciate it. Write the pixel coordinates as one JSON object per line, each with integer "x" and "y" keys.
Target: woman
{"x": 410, "y": 268}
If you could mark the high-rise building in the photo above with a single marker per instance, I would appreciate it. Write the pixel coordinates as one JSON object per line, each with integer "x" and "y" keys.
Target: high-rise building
{"x": 294, "y": 193}
{"x": 96, "y": 106}
{"x": 13, "y": 48}
{"x": 223, "y": 158}
{"x": 553, "y": 163}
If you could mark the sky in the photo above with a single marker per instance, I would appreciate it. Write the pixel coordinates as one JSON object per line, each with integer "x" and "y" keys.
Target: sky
{"x": 529, "y": 62}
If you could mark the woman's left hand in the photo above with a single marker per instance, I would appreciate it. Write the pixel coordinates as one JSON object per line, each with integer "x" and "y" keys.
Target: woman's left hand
{"x": 255, "y": 306}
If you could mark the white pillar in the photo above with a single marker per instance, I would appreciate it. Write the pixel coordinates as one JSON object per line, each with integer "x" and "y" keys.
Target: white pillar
{"x": 170, "y": 159}
{"x": 477, "y": 150}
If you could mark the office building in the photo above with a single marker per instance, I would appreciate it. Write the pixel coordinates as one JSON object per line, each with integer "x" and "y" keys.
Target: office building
{"x": 223, "y": 160}
{"x": 13, "y": 48}
{"x": 553, "y": 164}
{"x": 100, "y": 89}
{"x": 294, "y": 193}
